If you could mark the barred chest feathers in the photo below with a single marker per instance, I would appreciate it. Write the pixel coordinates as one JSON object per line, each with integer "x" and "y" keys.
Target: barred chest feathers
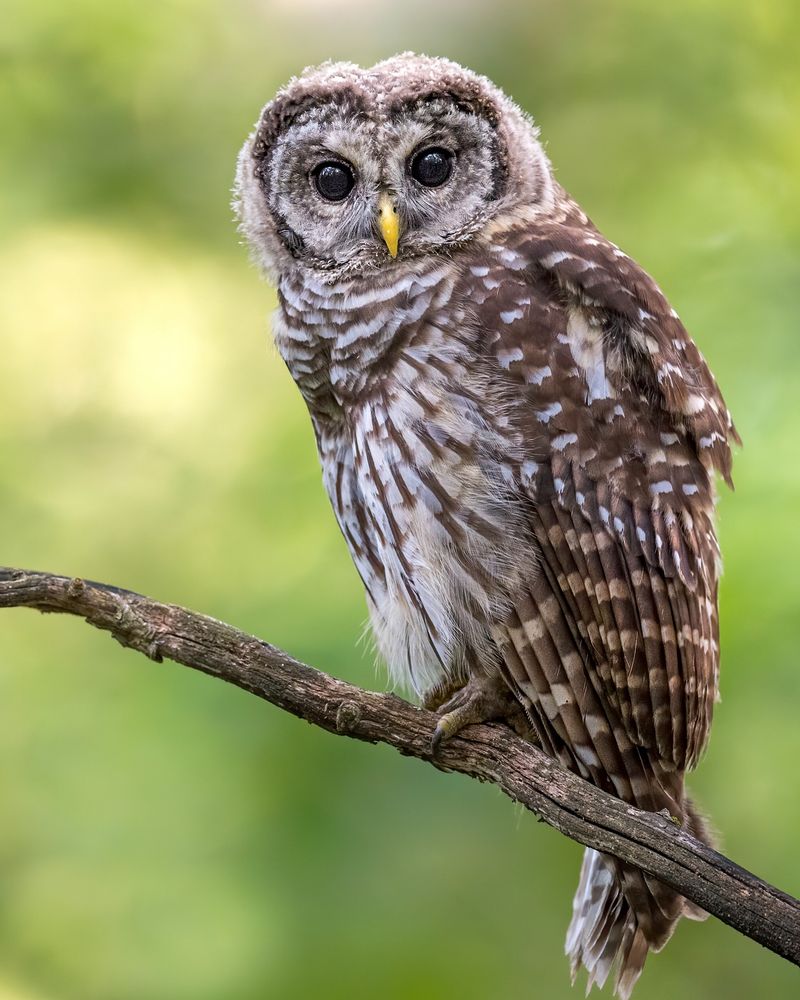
{"x": 415, "y": 447}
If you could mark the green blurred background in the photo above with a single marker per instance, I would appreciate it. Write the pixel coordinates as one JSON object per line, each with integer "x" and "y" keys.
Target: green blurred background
{"x": 163, "y": 836}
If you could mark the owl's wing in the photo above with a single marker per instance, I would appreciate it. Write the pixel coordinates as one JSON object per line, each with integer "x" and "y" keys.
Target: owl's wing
{"x": 621, "y": 428}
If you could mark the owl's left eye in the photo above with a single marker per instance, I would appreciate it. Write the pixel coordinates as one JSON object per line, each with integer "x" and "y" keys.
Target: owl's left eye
{"x": 333, "y": 180}
{"x": 432, "y": 167}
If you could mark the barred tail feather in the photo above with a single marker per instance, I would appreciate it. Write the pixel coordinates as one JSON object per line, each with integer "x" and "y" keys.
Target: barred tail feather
{"x": 604, "y": 932}
{"x": 619, "y": 915}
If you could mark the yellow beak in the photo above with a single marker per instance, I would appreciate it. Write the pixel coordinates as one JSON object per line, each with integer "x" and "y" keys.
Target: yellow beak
{"x": 388, "y": 223}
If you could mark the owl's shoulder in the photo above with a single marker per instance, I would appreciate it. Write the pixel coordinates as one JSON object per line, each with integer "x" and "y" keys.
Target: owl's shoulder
{"x": 563, "y": 308}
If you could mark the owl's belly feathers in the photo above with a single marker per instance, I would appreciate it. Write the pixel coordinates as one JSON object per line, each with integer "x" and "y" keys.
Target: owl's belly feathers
{"x": 410, "y": 510}
{"x": 445, "y": 527}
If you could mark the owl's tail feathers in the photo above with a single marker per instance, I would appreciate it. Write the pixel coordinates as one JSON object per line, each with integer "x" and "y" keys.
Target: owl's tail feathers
{"x": 619, "y": 915}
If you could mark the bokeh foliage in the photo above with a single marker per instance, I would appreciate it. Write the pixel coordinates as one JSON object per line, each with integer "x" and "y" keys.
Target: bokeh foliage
{"x": 164, "y": 837}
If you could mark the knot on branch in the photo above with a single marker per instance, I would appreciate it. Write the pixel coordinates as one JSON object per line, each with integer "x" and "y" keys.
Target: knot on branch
{"x": 133, "y": 631}
{"x": 348, "y": 716}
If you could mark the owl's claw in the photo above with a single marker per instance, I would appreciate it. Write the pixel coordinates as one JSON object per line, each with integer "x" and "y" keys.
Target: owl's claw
{"x": 481, "y": 699}
{"x": 445, "y": 728}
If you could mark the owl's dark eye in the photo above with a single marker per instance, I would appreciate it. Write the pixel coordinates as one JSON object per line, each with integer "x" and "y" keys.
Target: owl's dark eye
{"x": 431, "y": 167}
{"x": 333, "y": 180}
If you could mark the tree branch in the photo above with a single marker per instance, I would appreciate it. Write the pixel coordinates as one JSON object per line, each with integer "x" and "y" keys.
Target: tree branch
{"x": 489, "y": 752}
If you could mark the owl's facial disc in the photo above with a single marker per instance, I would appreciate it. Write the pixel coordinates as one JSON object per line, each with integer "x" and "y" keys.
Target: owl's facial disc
{"x": 354, "y": 189}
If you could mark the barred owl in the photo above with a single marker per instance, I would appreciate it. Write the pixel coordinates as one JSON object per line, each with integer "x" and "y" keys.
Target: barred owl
{"x": 518, "y": 437}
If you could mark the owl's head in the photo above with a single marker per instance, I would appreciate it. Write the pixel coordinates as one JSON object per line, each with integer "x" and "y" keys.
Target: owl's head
{"x": 349, "y": 171}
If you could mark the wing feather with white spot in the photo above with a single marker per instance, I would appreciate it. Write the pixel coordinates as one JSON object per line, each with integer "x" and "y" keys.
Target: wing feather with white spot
{"x": 620, "y": 430}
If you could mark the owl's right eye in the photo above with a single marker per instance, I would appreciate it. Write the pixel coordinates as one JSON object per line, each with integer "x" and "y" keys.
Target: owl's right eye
{"x": 333, "y": 180}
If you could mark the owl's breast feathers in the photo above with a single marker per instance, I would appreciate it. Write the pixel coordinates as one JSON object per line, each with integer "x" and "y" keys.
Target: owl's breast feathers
{"x": 414, "y": 458}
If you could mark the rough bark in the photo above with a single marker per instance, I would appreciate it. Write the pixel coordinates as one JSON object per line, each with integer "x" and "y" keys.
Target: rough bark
{"x": 489, "y": 752}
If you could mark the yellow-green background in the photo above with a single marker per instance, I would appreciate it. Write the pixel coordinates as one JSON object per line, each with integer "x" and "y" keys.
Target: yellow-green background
{"x": 163, "y": 836}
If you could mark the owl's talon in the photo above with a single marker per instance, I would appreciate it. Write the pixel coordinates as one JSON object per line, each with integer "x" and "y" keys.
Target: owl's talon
{"x": 440, "y": 734}
{"x": 484, "y": 699}
{"x": 452, "y": 723}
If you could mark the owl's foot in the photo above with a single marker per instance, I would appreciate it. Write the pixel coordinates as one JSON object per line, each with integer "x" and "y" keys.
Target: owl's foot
{"x": 481, "y": 699}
